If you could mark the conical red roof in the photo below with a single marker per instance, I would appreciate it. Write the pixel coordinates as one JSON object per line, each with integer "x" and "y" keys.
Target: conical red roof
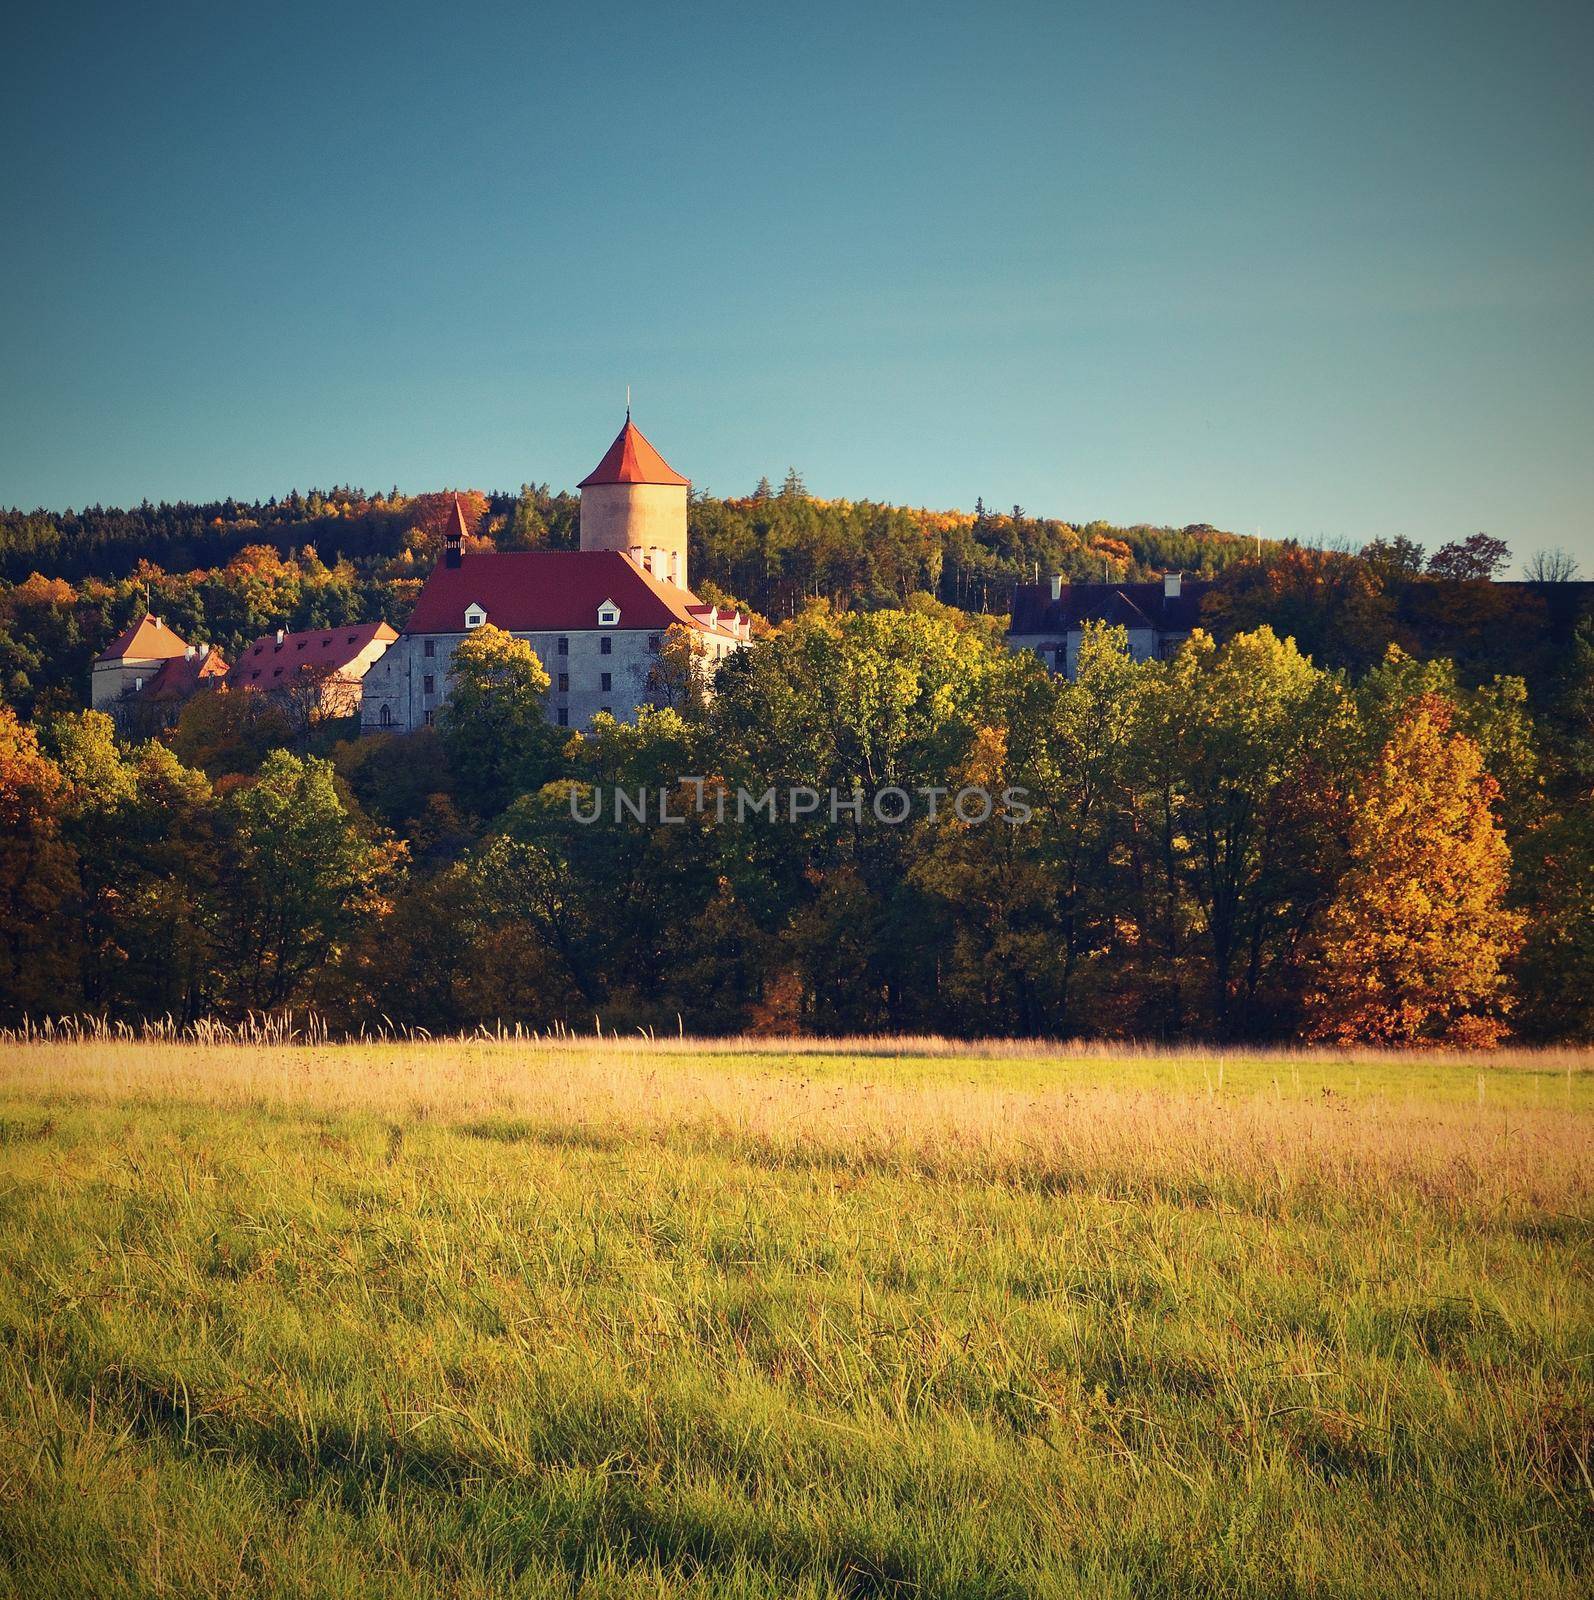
{"x": 457, "y": 526}
{"x": 631, "y": 459}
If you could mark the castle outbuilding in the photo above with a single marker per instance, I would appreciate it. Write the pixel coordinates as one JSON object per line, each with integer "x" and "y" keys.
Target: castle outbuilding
{"x": 1157, "y": 617}
{"x": 596, "y": 617}
{"x": 149, "y": 665}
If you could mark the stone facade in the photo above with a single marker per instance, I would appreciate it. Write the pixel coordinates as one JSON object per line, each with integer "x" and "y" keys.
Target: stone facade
{"x": 407, "y": 688}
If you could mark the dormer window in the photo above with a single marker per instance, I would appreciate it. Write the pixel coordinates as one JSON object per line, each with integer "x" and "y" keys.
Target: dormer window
{"x": 474, "y": 616}
{"x": 608, "y": 614}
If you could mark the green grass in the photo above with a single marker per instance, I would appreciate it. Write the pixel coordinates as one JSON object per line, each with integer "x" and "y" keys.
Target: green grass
{"x": 616, "y": 1319}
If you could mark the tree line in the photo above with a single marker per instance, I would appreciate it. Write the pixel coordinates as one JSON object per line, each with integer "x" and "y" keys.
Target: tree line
{"x": 1238, "y": 842}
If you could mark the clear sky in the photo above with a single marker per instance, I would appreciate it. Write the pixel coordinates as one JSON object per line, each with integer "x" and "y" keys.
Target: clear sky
{"x": 1322, "y": 269}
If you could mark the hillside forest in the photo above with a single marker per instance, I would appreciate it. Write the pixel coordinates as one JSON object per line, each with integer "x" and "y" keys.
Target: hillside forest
{"x": 1355, "y": 807}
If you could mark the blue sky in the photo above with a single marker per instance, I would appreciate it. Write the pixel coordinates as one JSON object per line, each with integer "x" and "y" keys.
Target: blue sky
{"x": 1323, "y": 270}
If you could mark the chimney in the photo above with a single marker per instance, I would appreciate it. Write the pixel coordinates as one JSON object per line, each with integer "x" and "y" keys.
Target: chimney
{"x": 675, "y": 568}
{"x": 204, "y": 652}
{"x": 1170, "y": 585}
{"x": 282, "y": 633}
{"x": 1057, "y": 586}
{"x": 656, "y": 561}
{"x": 638, "y": 556}
{"x": 188, "y": 652}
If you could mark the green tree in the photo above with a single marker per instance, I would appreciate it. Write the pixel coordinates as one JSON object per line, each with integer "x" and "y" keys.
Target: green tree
{"x": 494, "y": 724}
{"x": 1232, "y": 749}
{"x": 300, "y": 877}
{"x": 37, "y": 879}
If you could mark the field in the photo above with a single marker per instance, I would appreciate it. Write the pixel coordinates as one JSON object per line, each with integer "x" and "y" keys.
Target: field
{"x": 495, "y": 1318}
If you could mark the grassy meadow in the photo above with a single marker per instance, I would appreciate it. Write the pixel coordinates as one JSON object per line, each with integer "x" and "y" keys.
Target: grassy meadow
{"x": 592, "y": 1318}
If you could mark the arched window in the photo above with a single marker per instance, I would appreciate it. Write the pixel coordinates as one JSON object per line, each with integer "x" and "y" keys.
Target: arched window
{"x": 386, "y": 719}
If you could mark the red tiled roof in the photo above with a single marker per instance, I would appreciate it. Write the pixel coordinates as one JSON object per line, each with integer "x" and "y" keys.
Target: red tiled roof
{"x": 332, "y": 648}
{"x": 631, "y": 459}
{"x": 149, "y": 639}
{"x": 181, "y": 676}
{"x": 457, "y": 527}
{"x": 551, "y": 591}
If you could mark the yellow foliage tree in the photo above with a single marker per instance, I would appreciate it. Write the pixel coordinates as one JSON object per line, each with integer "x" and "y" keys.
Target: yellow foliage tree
{"x": 1413, "y": 947}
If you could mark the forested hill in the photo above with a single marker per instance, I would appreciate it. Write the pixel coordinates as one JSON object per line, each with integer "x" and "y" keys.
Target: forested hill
{"x": 227, "y": 572}
{"x": 776, "y": 549}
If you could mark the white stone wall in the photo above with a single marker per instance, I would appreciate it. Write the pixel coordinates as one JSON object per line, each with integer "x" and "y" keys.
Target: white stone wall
{"x": 398, "y": 682}
{"x": 110, "y": 680}
{"x": 1145, "y": 644}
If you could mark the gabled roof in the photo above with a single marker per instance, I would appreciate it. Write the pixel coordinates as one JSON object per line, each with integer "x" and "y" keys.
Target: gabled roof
{"x": 631, "y": 459}
{"x": 181, "y": 676}
{"x": 554, "y": 591}
{"x": 1130, "y": 605}
{"x": 149, "y": 639}
{"x": 266, "y": 662}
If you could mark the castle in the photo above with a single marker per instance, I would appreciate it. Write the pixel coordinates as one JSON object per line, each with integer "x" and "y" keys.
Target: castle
{"x": 596, "y": 617}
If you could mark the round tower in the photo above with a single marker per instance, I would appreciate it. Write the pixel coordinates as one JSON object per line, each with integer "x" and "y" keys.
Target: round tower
{"x": 634, "y": 501}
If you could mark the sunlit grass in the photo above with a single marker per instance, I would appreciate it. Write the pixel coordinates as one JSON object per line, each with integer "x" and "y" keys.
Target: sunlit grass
{"x": 877, "y": 1317}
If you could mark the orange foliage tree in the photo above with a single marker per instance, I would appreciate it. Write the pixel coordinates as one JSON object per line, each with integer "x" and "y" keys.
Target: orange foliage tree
{"x": 1413, "y": 947}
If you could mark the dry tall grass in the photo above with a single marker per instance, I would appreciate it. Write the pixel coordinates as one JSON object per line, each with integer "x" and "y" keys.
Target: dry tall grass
{"x": 882, "y": 1317}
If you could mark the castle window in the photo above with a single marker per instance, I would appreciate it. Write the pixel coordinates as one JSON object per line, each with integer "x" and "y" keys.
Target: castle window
{"x": 564, "y": 646}
{"x": 386, "y": 719}
{"x": 428, "y": 684}
{"x": 608, "y": 614}
{"x": 653, "y": 641}
{"x": 428, "y": 715}
{"x": 429, "y": 648}
{"x": 474, "y": 616}
{"x": 606, "y": 647}
{"x": 606, "y": 682}
{"x": 564, "y": 683}
{"x": 564, "y": 717}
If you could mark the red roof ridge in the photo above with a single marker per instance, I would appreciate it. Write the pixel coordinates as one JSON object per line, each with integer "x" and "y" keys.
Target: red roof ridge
{"x": 631, "y": 459}
{"x": 551, "y": 591}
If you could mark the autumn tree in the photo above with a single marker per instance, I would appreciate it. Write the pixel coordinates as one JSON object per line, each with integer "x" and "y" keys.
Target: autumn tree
{"x": 1413, "y": 948}
{"x": 223, "y": 731}
{"x": 1478, "y": 558}
{"x": 679, "y": 676}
